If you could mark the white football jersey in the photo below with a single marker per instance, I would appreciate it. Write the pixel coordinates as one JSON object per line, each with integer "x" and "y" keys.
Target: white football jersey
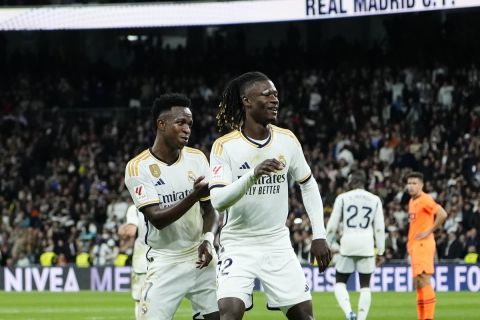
{"x": 361, "y": 213}
{"x": 153, "y": 182}
{"x": 139, "y": 260}
{"x": 259, "y": 216}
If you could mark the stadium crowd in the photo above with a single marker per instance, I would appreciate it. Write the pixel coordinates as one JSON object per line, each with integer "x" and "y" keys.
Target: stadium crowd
{"x": 67, "y": 132}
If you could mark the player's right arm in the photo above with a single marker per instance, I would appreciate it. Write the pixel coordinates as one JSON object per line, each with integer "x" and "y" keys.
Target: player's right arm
{"x": 146, "y": 199}
{"x": 224, "y": 191}
{"x": 334, "y": 220}
{"x": 225, "y": 196}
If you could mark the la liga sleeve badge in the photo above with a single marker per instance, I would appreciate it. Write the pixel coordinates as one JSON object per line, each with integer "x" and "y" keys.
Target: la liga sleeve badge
{"x": 140, "y": 192}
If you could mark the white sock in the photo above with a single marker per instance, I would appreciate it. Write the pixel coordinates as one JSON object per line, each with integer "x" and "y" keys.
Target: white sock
{"x": 343, "y": 298}
{"x": 137, "y": 306}
{"x": 364, "y": 303}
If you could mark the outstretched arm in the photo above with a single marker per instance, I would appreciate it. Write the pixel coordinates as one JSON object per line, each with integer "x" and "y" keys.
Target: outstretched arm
{"x": 224, "y": 197}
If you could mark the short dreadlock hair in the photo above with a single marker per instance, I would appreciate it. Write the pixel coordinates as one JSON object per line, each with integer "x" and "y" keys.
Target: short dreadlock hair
{"x": 231, "y": 115}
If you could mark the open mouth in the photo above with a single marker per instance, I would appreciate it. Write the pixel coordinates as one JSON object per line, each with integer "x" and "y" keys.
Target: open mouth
{"x": 274, "y": 110}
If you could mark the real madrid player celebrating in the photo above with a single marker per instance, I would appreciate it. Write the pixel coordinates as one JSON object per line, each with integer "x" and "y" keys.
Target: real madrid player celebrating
{"x": 249, "y": 168}
{"x": 167, "y": 183}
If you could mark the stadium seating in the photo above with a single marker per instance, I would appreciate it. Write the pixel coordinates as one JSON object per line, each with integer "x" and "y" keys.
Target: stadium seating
{"x": 67, "y": 132}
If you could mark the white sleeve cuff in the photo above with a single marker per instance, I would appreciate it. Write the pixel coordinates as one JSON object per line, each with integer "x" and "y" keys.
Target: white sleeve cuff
{"x": 210, "y": 237}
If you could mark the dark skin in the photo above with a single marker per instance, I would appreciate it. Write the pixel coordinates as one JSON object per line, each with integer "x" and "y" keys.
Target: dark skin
{"x": 261, "y": 103}
{"x": 173, "y": 132}
{"x": 364, "y": 278}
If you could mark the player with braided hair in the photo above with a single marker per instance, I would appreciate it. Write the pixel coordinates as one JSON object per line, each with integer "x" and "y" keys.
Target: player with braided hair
{"x": 249, "y": 169}
{"x": 231, "y": 113}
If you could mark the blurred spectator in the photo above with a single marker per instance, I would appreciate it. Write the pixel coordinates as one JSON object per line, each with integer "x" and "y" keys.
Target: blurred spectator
{"x": 48, "y": 259}
{"x": 454, "y": 248}
{"x": 66, "y": 133}
{"x": 83, "y": 260}
{"x": 472, "y": 256}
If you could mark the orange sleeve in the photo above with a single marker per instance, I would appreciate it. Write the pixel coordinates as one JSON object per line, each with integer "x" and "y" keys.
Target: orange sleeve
{"x": 430, "y": 205}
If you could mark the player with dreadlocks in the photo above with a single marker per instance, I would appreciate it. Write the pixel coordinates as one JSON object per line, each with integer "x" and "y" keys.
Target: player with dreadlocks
{"x": 231, "y": 113}
{"x": 249, "y": 168}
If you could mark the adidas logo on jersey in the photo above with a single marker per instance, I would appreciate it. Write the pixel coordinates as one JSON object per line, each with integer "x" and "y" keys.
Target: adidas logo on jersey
{"x": 160, "y": 182}
{"x": 245, "y": 166}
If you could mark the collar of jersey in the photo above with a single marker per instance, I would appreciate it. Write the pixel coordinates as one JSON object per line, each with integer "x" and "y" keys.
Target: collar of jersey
{"x": 180, "y": 156}
{"x": 420, "y": 196}
{"x": 256, "y": 144}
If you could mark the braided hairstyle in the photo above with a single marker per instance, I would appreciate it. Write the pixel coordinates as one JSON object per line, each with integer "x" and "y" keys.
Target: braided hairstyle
{"x": 231, "y": 114}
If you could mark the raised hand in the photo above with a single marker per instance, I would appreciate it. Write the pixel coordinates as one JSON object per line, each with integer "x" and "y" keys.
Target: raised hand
{"x": 200, "y": 186}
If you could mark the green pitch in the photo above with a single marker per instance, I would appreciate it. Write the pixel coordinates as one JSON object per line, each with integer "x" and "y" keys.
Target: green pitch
{"x": 88, "y": 305}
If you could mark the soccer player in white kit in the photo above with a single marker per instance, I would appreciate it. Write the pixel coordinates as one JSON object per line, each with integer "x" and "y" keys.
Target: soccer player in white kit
{"x": 167, "y": 184}
{"x": 135, "y": 228}
{"x": 249, "y": 170}
{"x": 361, "y": 213}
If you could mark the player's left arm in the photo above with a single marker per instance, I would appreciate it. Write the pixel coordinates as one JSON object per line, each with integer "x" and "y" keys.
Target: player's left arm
{"x": 313, "y": 205}
{"x": 440, "y": 217}
{"x": 210, "y": 218}
{"x": 206, "y": 247}
{"x": 379, "y": 228}
{"x": 334, "y": 220}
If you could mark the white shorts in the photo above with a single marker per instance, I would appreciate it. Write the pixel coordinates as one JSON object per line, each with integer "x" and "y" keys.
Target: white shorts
{"x": 279, "y": 272}
{"x": 349, "y": 264}
{"x": 136, "y": 284}
{"x": 167, "y": 283}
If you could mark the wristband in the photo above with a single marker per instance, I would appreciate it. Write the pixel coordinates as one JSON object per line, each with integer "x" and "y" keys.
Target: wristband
{"x": 209, "y": 236}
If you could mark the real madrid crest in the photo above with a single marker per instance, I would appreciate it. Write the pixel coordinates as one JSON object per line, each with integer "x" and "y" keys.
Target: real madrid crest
{"x": 281, "y": 158}
{"x": 155, "y": 170}
{"x": 191, "y": 176}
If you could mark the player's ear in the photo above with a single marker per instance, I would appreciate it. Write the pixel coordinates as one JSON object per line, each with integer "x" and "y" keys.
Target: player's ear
{"x": 161, "y": 123}
{"x": 245, "y": 101}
